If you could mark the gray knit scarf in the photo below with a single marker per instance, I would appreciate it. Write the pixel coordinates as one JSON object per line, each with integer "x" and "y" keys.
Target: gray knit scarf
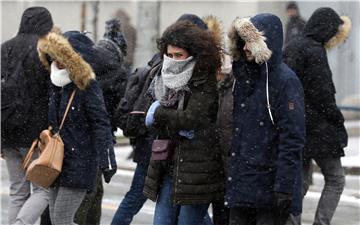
{"x": 172, "y": 84}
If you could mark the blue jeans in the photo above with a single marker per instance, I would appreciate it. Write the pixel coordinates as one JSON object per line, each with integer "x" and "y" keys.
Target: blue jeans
{"x": 166, "y": 213}
{"x": 134, "y": 198}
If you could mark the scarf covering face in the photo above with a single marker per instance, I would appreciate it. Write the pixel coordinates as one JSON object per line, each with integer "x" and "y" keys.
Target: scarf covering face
{"x": 177, "y": 73}
{"x": 59, "y": 78}
{"x": 172, "y": 84}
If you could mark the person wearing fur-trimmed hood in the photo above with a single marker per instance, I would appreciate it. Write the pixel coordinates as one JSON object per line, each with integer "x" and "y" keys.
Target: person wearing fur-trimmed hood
{"x": 264, "y": 162}
{"x": 326, "y": 133}
{"x": 86, "y": 132}
{"x": 224, "y": 115}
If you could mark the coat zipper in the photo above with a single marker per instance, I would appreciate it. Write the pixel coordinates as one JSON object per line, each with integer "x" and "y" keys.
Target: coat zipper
{"x": 177, "y": 173}
{"x": 108, "y": 151}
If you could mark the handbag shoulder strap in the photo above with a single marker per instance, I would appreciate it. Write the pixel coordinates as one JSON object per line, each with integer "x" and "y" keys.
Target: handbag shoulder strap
{"x": 67, "y": 109}
{"x": 29, "y": 155}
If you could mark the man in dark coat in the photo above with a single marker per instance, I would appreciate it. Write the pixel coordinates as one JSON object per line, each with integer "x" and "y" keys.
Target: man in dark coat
{"x": 19, "y": 57}
{"x": 326, "y": 134}
{"x": 264, "y": 163}
{"x": 296, "y": 23}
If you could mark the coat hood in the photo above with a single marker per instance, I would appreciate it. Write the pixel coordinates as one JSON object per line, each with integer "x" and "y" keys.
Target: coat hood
{"x": 194, "y": 19}
{"x": 104, "y": 56}
{"x": 216, "y": 27}
{"x": 36, "y": 20}
{"x": 115, "y": 36}
{"x": 57, "y": 47}
{"x": 262, "y": 33}
{"x": 327, "y": 27}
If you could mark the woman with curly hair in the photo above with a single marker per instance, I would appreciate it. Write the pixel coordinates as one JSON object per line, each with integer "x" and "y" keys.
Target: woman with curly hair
{"x": 185, "y": 173}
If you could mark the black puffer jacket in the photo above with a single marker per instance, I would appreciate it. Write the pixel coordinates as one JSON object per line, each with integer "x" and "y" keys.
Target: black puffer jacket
{"x": 35, "y": 22}
{"x": 306, "y": 55}
{"x": 197, "y": 168}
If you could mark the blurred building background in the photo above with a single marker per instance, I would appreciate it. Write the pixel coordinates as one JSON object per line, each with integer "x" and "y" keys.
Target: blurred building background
{"x": 150, "y": 18}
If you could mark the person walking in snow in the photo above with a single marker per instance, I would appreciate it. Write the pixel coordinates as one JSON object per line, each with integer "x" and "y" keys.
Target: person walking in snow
{"x": 264, "y": 162}
{"x": 326, "y": 133}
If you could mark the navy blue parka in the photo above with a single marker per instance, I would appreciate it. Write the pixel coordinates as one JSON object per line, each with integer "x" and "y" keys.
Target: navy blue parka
{"x": 264, "y": 158}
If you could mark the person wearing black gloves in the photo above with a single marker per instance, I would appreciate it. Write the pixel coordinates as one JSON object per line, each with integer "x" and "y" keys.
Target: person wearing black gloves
{"x": 86, "y": 132}
{"x": 264, "y": 162}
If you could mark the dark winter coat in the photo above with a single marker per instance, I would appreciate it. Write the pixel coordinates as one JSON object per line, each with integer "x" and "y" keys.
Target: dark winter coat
{"x": 197, "y": 168}
{"x": 142, "y": 145}
{"x": 87, "y": 131}
{"x": 135, "y": 99}
{"x": 225, "y": 116}
{"x": 265, "y": 158}
{"x": 35, "y": 22}
{"x": 294, "y": 27}
{"x": 306, "y": 55}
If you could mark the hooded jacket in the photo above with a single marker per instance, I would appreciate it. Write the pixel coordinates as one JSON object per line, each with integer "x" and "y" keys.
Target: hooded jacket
{"x": 35, "y": 22}
{"x": 86, "y": 132}
{"x": 265, "y": 157}
{"x": 106, "y": 58}
{"x": 306, "y": 55}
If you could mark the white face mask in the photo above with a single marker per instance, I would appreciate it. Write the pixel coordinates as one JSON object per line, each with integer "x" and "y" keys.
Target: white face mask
{"x": 59, "y": 78}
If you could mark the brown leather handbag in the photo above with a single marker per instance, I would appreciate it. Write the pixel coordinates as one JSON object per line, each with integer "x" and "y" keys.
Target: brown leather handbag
{"x": 44, "y": 170}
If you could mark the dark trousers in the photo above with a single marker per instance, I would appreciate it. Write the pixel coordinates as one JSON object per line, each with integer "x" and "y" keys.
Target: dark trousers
{"x": 89, "y": 212}
{"x": 221, "y": 213}
{"x": 251, "y": 216}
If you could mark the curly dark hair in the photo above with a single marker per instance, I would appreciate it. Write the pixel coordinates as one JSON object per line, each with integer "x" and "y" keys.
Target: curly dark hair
{"x": 197, "y": 42}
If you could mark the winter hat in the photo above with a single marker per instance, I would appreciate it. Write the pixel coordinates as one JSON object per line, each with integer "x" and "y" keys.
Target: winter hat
{"x": 194, "y": 19}
{"x": 84, "y": 46}
{"x": 114, "y": 34}
{"x": 324, "y": 24}
{"x": 292, "y": 5}
{"x": 36, "y": 20}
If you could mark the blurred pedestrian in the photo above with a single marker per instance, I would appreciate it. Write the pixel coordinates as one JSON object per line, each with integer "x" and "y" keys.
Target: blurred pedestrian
{"x": 326, "y": 133}
{"x": 133, "y": 126}
{"x": 189, "y": 177}
{"x": 224, "y": 117}
{"x": 264, "y": 162}
{"x": 24, "y": 105}
{"x": 87, "y": 131}
{"x": 130, "y": 36}
{"x": 295, "y": 24}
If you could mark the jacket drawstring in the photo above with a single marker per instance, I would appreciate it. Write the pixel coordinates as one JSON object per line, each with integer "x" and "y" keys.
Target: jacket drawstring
{"x": 267, "y": 94}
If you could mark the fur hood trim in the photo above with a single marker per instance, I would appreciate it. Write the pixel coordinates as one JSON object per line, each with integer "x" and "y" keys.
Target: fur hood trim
{"x": 341, "y": 35}
{"x": 216, "y": 27}
{"x": 243, "y": 28}
{"x": 58, "y": 48}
